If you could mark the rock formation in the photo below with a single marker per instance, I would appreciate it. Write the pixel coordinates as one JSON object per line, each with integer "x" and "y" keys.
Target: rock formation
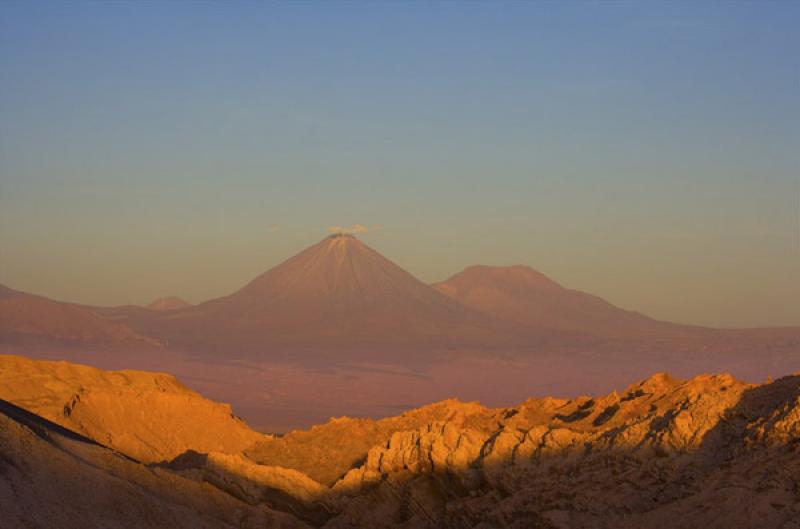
{"x": 149, "y": 416}
{"x": 711, "y": 451}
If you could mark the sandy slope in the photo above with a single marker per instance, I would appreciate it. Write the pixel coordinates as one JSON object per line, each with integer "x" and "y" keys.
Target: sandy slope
{"x": 51, "y": 478}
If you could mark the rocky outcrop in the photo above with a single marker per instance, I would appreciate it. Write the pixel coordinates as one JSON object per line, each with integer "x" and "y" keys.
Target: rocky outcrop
{"x": 661, "y": 454}
{"x": 149, "y": 416}
{"x": 711, "y": 451}
{"x": 326, "y": 452}
{"x": 707, "y": 452}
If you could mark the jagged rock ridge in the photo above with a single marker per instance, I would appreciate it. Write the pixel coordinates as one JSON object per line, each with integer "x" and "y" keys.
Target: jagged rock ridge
{"x": 710, "y": 451}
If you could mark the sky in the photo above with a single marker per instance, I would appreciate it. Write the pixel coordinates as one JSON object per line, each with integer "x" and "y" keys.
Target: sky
{"x": 646, "y": 152}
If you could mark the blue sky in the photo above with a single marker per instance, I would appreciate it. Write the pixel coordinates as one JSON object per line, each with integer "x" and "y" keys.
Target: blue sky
{"x": 645, "y": 152}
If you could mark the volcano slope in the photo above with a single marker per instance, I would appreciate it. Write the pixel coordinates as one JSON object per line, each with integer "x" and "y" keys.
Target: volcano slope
{"x": 710, "y": 451}
{"x": 338, "y": 300}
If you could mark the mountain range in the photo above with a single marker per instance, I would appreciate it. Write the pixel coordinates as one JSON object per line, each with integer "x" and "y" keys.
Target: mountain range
{"x": 29, "y": 320}
{"x": 340, "y": 293}
{"x": 339, "y": 314}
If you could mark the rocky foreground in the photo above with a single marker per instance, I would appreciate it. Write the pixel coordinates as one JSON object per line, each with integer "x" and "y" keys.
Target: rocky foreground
{"x": 83, "y": 448}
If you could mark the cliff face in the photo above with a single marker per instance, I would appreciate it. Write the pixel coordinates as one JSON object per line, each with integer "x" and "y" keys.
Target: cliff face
{"x": 707, "y": 452}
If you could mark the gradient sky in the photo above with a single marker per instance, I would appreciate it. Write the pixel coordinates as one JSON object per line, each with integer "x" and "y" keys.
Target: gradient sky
{"x": 646, "y": 152}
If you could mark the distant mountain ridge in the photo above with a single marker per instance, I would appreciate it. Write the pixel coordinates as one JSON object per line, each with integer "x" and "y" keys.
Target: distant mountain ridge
{"x": 30, "y": 320}
{"x": 521, "y": 294}
{"x": 341, "y": 300}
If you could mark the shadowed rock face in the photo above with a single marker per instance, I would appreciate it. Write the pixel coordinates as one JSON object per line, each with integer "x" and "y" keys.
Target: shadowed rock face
{"x": 664, "y": 453}
{"x": 710, "y": 451}
{"x": 50, "y": 477}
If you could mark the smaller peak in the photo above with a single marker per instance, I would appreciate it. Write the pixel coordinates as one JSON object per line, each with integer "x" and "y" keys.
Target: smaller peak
{"x": 168, "y": 303}
{"x": 517, "y": 268}
{"x": 658, "y": 383}
{"x": 517, "y": 274}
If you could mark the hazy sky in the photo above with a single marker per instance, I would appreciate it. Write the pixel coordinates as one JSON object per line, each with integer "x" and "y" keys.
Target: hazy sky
{"x": 645, "y": 152}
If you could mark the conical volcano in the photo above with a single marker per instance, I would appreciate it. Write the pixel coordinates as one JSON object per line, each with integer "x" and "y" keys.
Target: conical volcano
{"x": 335, "y": 280}
{"x": 338, "y": 294}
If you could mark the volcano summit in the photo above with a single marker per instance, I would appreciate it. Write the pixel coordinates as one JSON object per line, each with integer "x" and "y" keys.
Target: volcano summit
{"x": 337, "y": 295}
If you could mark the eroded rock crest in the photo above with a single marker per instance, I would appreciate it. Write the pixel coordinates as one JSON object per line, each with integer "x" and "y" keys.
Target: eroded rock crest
{"x": 711, "y": 451}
